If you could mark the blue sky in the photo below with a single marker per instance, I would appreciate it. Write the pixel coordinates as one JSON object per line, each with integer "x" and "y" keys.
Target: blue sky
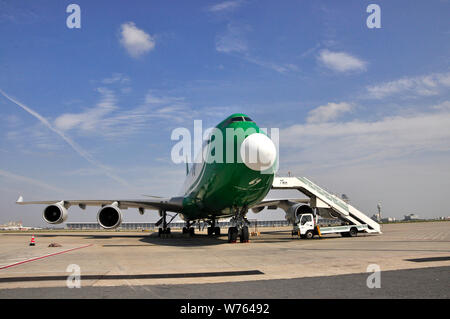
{"x": 362, "y": 111}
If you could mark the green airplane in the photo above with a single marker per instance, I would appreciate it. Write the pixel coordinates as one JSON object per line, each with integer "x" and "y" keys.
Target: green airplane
{"x": 232, "y": 174}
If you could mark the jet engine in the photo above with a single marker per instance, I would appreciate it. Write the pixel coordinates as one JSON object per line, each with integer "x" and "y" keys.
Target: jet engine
{"x": 327, "y": 213}
{"x": 297, "y": 209}
{"x": 55, "y": 214}
{"x": 109, "y": 217}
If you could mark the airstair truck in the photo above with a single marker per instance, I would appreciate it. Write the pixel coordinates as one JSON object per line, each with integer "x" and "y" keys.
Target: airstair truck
{"x": 307, "y": 228}
{"x": 325, "y": 204}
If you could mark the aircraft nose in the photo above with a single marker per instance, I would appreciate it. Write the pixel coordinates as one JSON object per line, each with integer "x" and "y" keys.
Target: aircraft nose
{"x": 258, "y": 152}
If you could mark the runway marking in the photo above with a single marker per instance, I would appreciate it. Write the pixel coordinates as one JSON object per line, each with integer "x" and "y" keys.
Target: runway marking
{"x": 421, "y": 260}
{"x": 45, "y": 256}
{"x": 138, "y": 276}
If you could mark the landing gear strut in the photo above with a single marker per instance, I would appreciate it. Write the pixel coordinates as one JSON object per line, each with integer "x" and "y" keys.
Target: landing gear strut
{"x": 240, "y": 227}
{"x": 164, "y": 230}
{"x": 213, "y": 229}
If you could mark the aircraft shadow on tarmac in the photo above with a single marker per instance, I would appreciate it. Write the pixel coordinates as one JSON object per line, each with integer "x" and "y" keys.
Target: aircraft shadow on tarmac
{"x": 178, "y": 239}
{"x": 175, "y": 239}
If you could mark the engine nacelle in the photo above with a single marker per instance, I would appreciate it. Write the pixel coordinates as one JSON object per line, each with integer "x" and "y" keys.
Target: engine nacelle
{"x": 297, "y": 209}
{"x": 327, "y": 213}
{"x": 256, "y": 210}
{"x": 109, "y": 217}
{"x": 55, "y": 214}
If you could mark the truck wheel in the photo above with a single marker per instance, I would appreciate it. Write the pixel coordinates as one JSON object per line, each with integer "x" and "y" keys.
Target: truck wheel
{"x": 353, "y": 232}
{"x": 309, "y": 234}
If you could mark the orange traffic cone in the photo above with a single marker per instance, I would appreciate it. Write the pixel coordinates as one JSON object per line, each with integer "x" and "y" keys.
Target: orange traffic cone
{"x": 32, "y": 242}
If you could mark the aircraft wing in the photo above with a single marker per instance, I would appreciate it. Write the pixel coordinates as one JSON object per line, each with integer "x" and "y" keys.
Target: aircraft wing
{"x": 174, "y": 204}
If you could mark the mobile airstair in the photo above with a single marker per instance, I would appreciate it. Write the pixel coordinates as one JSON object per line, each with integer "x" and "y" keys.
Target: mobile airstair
{"x": 321, "y": 199}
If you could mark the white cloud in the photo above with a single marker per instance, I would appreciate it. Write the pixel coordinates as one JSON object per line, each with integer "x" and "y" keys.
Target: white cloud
{"x": 328, "y": 112}
{"x": 443, "y": 106}
{"x": 89, "y": 119}
{"x": 154, "y": 99}
{"x": 425, "y": 85}
{"x": 108, "y": 120}
{"x": 29, "y": 180}
{"x": 346, "y": 143}
{"x": 136, "y": 41}
{"x": 341, "y": 61}
{"x": 225, "y": 6}
{"x": 280, "y": 68}
{"x": 233, "y": 39}
{"x": 117, "y": 78}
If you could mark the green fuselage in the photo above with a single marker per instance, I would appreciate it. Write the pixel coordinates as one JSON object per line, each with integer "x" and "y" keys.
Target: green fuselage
{"x": 217, "y": 188}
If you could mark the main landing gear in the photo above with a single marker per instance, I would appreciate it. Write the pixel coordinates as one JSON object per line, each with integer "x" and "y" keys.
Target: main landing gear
{"x": 234, "y": 233}
{"x": 164, "y": 231}
{"x": 239, "y": 228}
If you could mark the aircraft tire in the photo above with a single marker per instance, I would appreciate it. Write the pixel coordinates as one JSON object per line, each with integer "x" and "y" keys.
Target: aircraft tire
{"x": 232, "y": 234}
{"x": 192, "y": 231}
{"x": 210, "y": 231}
{"x": 217, "y": 231}
{"x": 245, "y": 236}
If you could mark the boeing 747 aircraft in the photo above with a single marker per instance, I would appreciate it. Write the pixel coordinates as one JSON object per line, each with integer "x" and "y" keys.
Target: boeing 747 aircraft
{"x": 217, "y": 186}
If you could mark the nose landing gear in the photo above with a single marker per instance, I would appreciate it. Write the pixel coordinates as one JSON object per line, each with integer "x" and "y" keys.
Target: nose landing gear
{"x": 240, "y": 227}
{"x": 213, "y": 230}
{"x": 188, "y": 229}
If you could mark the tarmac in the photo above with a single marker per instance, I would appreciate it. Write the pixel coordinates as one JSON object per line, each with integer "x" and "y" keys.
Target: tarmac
{"x": 413, "y": 259}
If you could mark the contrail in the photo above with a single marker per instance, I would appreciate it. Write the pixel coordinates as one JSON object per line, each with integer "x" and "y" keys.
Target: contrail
{"x": 69, "y": 141}
{"x": 28, "y": 180}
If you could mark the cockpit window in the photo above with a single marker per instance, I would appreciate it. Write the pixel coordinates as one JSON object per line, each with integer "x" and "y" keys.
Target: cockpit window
{"x": 237, "y": 119}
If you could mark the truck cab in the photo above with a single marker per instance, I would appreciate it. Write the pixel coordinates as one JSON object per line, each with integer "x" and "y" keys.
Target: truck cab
{"x": 305, "y": 226}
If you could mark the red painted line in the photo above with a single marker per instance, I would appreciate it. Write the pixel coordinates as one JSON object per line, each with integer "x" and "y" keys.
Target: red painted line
{"x": 37, "y": 258}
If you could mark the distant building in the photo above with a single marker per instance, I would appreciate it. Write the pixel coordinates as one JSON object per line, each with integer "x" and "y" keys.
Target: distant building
{"x": 411, "y": 217}
{"x": 388, "y": 220}
{"x": 15, "y": 226}
{"x": 145, "y": 226}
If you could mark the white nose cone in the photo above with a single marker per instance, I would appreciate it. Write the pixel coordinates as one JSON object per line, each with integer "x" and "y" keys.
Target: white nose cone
{"x": 258, "y": 152}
